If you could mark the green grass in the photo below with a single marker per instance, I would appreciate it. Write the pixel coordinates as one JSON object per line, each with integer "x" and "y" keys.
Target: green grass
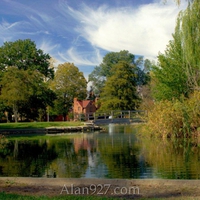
{"x": 68, "y": 197}
{"x": 36, "y": 125}
{"x": 23, "y": 197}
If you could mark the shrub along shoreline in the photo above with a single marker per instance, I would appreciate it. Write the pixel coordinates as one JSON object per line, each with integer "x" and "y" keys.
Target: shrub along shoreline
{"x": 176, "y": 118}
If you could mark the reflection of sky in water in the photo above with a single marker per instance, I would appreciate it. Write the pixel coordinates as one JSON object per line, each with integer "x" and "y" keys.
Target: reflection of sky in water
{"x": 111, "y": 128}
{"x": 96, "y": 168}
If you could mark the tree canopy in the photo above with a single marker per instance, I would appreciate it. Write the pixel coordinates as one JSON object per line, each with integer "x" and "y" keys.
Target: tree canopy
{"x": 178, "y": 69}
{"x": 25, "y": 91}
{"x": 24, "y": 72}
{"x": 68, "y": 83}
{"x": 105, "y": 70}
{"x": 23, "y": 54}
{"x": 119, "y": 92}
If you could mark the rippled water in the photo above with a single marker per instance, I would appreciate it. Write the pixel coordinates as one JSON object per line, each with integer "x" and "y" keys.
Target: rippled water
{"x": 117, "y": 152}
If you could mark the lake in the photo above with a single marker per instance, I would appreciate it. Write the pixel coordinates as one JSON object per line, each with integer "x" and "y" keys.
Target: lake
{"x": 117, "y": 152}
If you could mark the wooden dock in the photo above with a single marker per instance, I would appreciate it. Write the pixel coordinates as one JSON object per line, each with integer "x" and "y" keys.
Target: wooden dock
{"x": 53, "y": 130}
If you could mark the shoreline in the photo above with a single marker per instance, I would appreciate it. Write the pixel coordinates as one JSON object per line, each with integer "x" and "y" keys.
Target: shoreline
{"x": 145, "y": 187}
{"x": 50, "y": 130}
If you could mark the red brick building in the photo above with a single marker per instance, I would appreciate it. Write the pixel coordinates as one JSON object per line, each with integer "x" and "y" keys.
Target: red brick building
{"x": 84, "y": 109}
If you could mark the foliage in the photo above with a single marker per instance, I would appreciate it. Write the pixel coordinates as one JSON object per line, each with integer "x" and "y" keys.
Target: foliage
{"x": 178, "y": 1}
{"x": 193, "y": 110}
{"x": 170, "y": 75}
{"x": 165, "y": 119}
{"x": 24, "y": 70}
{"x": 3, "y": 108}
{"x": 176, "y": 80}
{"x": 17, "y": 90}
{"x": 68, "y": 83}
{"x": 101, "y": 73}
{"x": 119, "y": 92}
{"x": 175, "y": 118}
{"x": 25, "y": 92}
{"x": 23, "y": 54}
{"x": 178, "y": 68}
{"x": 36, "y": 107}
{"x": 190, "y": 30}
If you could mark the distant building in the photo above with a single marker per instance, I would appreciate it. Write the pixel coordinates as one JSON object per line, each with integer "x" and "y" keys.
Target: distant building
{"x": 84, "y": 109}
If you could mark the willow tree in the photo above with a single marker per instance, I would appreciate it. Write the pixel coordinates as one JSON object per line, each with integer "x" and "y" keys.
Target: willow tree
{"x": 190, "y": 29}
{"x": 178, "y": 2}
{"x": 177, "y": 73}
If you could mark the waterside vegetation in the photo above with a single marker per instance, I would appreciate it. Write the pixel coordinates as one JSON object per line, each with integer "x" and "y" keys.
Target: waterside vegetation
{"x": 175, "y": 81}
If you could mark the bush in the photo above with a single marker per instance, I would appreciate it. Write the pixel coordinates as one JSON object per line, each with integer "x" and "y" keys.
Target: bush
{"x": 175, "y": 118}
{"x": 193, "y": 106}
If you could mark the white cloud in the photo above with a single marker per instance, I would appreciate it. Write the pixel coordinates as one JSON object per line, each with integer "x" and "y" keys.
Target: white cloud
{"x": 79, "y": 36}
{"x": 81, "y": 58}
{"x": 47, "y": 46}
{"x": 144, "y": 30}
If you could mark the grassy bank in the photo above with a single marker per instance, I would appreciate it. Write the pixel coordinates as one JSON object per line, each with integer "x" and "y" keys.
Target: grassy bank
{"x": 37, "y": 125}
{"x": 23, "y": 197}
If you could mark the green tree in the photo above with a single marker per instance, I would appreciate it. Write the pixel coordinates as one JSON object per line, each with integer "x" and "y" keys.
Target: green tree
{"x": 23, "y": 70}
{"x": 23, "y": 54}
{"x": 178, "y": 69}
{"x": 102, "y": 72}
{"x": 36, "y": 106}
{"x": 190, "y": 33}
{"x": 68, "y": 83}
{"x": 120, "y": 92}
{"x": 20, "y": 87}
{"x": 5, "y": 111}
{"x": 15, "y": 91}
{"x": 169, "y": 75}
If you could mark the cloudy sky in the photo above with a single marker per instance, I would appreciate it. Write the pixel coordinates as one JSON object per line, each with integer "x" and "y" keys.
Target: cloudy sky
{"x": 83, "y": 31}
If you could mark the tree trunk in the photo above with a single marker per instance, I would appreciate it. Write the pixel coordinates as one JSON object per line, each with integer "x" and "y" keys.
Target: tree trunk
{"x": 15, "y": 110}
{"x": 16, "y": 149}
{"x": 64, "y": 116}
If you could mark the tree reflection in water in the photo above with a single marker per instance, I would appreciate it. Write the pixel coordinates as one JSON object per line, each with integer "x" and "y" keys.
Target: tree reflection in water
{"x": 119, "y": 152}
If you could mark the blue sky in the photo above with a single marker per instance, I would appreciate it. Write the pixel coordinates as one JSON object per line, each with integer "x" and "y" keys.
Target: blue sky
{"x": 83, "y": 31}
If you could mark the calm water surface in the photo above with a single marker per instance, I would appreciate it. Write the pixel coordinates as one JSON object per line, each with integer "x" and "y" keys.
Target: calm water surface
{"x": 118, "y": 152}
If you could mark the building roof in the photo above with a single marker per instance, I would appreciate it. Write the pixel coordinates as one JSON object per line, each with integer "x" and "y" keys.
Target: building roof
{"x": 84, "y": 103}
